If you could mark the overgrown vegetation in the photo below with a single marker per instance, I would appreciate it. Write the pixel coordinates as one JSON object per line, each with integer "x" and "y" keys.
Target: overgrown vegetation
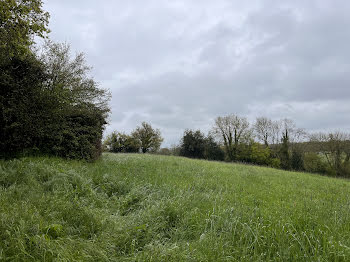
{"x": 136, "y": 207}
{"x": 48, "y": 102}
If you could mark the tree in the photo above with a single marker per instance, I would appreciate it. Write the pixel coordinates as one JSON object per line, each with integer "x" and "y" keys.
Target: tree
{"x": 68, "y": 78}
{"x": 213, "y": 150}
{"x": 291, "y": 151}
{"x": 78, "y": 108}
{"x": 263, "y": 128}
{"x": 259, "y": 154}
{"x": 51, "y": 105}
{"x": 21, "y": 74}
{"x": 193, "y": 144}
{"x": 121, "y": 143}
{"x": 150, "y": 139}
{"x": 233, "y": 130}
{"x": 297, "y": 160}
{"x": 284, "y": 154}
{"x": 20, "y": 21}
{"x": 22, "y": 103}
{"x": 275, "y": 132}
{"x": 335, "y": 146}
{"x": 47, "y": 103}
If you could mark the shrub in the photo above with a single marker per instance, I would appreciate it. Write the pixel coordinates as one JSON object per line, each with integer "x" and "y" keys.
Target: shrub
{"x": 193, "y": 144}
{"x": 313, "y": 163}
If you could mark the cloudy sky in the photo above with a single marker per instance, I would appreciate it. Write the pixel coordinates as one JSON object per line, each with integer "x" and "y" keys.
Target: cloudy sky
{"x": 180, "y": 64}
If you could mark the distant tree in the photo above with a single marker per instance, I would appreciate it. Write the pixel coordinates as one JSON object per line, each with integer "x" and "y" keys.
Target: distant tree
{"x": 313, "y": 163}
{"x": 150, "y": 139}
{"x": 213, "y": 150}
{"x": 165, "y": 151}
{"x": 275, "y": 132}
{"x": 260, "y": 154}
{"x": 175, "y": 149}
{"x": 121, "y": 143}
{"x": 291, "y": 151}
{"x": 233, "y": 130}
{"x": 263, "y": 128}
{"x": 297, "y": 160}
{"x": 335, "y": 146}
{"x": 284, "y": 154}
{"x": 193, "y": 144}
{"x": 288, "y": 128}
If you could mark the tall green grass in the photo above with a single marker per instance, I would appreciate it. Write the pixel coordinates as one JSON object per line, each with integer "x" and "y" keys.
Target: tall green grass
{"x": 130, "y": 207}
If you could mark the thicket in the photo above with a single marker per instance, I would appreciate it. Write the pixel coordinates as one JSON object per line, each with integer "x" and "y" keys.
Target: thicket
{"x": 195, "y": 144}
{"x": 48, "y": 102}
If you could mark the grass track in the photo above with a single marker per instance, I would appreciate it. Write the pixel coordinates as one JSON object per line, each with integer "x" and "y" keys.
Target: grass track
{"x": 129, "y": 207}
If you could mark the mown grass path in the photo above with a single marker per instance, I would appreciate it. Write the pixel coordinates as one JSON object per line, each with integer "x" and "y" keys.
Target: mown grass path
{"x": 130, "y": 207}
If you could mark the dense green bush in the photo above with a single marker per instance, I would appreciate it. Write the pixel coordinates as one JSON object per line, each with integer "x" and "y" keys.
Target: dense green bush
{"x": 313, "y": 163}
{"x": 213, "y": 150}
{"x": 121, "y": 143}
{"x": 260, "y": 154}
{"x": 38, "y": 117}
{"x": 48, "y": 102}
{"x": 195, "y": 144}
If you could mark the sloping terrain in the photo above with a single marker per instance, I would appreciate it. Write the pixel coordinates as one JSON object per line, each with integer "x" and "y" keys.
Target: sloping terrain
{"x": 133, "y": 207}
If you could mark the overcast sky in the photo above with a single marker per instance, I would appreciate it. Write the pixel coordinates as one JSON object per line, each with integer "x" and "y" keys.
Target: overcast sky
{"x": 180, "y": 64}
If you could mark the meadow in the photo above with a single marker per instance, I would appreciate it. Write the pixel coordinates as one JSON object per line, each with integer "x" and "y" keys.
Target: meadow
{"x": 142, "y": 207}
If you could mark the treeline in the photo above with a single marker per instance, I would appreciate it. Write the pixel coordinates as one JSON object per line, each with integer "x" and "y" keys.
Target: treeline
{"x": 278, "y": 144}
{"x": 48, "y": 102}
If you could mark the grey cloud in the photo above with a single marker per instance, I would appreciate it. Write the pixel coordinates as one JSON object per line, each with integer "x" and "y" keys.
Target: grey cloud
{"x": 179, "y": 64}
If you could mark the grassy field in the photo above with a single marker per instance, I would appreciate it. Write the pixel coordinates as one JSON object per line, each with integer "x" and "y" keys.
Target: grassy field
{"x": 128, "y": 207}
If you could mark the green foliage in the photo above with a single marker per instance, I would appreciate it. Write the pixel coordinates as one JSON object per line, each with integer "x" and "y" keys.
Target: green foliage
{"x": 213, "y": 150}
{"x": 21, "y": 103}
{"x": 297, "y": 160}
{"x": 121, "y": 143}
{"x": 193, "y": 144}
{"x": 313, "y": 163}
{"x": 133, "y": 207}
{"x": 47, "y": 104}
{"x": 165, "y": 151}
{"x": 43, "y": 111}
{"x": 284, "y": 154}
{"x": 275, "y": 162}
{"x": 260, "y": 154}
{"x": 149, "y": 139}
{"x": 144, "y": 139}
{"x": 20, "y": 21}
{"x": 233, "y": 130}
